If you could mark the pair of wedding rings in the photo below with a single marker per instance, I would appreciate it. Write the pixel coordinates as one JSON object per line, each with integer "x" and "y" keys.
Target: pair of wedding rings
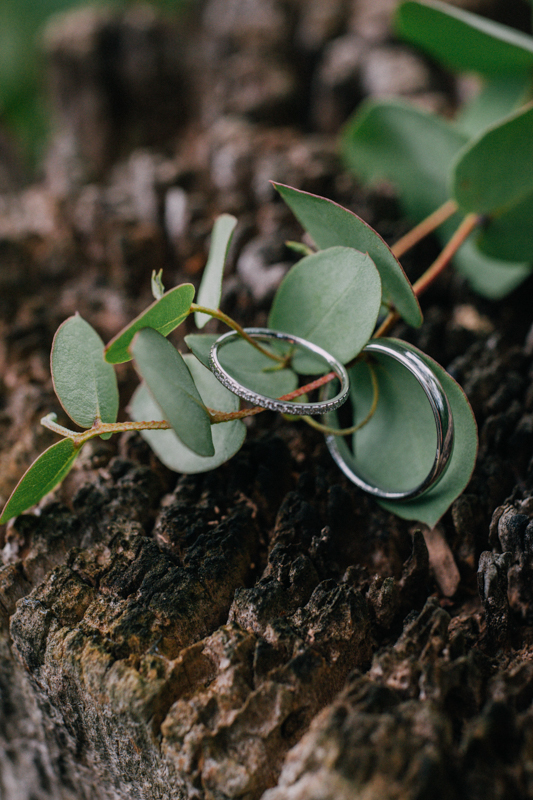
{"x": 390, "y": 348}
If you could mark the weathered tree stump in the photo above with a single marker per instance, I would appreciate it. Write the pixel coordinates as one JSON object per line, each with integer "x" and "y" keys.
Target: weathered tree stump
{"x": 264, "y": 630}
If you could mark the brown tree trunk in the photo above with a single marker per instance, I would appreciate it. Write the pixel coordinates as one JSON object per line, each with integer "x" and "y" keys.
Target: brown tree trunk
{"x": 264, "y": 630}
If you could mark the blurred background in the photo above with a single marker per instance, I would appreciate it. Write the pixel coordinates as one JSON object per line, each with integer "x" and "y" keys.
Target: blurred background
{"x": 24, "y": 112}
{"x": 310, "y": 26}
{"x": 125, "y": 129}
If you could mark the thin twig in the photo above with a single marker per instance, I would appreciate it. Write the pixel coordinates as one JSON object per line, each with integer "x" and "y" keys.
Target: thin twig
{"x": 215, "y": 417}
{"x": 217, "y": 314}
{"x": 347, "y": 431}
{"x": 100, "y": 428}
{"x": 424, "y": 228}
{"x": 228, "y": 416}
{"x": 470, "y": 222}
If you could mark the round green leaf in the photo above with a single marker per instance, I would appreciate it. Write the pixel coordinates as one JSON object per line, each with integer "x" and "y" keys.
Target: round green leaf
{"x": 163, "y": 369}
{"x": 84, "y": 383}
{"x": 464, "y": 41}
{"x": 414, "y": 150}
{"x": 200, "y": 344}
{"x": 395, "y": 450}
{"x": 44, "y": 474}
{"x": 430, "y": 507}
{"x": 331, "y": 298}
{"x": 329, "y": 224}
{"x": 499, "y": 97}
{"x": 509, "y": 235}
{"x": 211, "y": 285}
{"x": 164, "y": 315}
{"x": 227, "y": 436}
{"x": 495, "y": 171}
{"x": 490, "y": 277}
{"x": 246, "y": 364}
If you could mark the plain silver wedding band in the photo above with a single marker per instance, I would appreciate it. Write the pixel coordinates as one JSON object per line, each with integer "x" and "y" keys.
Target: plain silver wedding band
{"x": 441, "y": 412}
{"x": 283, "y": 406}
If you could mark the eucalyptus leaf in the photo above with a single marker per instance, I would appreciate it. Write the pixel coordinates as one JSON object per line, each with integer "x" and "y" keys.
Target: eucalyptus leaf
{"x": 490, "y": 277}
{"x": 156, "y": 283}
{"x": 330, "y": 224}
{"x": 227, "y": 436}
{"x": 211, "y": 286}
{"x": 431, "y": 506}
{"x": 390, "y": 140}
{"x": 495, "y": 171}
{"x": 395, "y": 450}
{"x": 332, "y": 299}
{"x": 164, "y": 315}
{"x": 85, "y": 384}
{"x": 509, "y": 234}
{"x": 246, "y": 364}
{"x": 416, "y": 151}
{"x": 498, "y": 97}
{"x": 44, "y": 474}
{"x": 464, "y": 41}
{"x": 299, "y": 248}
{"x": 163, "y": 369}
{"x": 200, "y": 345}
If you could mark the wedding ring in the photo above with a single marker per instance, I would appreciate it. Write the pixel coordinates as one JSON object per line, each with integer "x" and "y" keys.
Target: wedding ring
{"x": 442, "y": 413}
{"x": 284, "y": 406}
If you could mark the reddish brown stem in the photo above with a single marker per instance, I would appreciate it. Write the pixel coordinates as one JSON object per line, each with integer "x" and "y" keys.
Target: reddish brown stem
{"x": 470, "y": 222}
{"x": 221, "y": 416}
{"x": 424, "y": 228}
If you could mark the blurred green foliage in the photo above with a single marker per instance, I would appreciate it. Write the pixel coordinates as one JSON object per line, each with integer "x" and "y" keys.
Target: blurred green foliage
{"x": 23, "y": 109}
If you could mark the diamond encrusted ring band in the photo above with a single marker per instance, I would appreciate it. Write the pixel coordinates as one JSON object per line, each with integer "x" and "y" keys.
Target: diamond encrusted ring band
{"x": 442, "y": 413}
{"x": 284, "y": 406}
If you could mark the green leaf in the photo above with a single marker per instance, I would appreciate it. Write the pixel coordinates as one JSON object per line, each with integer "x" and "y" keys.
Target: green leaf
{"x": 431, "y": 506}
{"x": 46, "y": 472}
{"x": 490, "y": 277}
{"x": 331, "y": 298}
{"x": 211, "y": 285}
{"x": 396, "y": 449}
{"x": 330, "y": 224}
{"x": 495, "y": 171}
{"x": 509, "y": 235}
{"x": 227, "y": 436}
{"x": 164, "y": 315}
{"x": 246, "y": 364}
{"x": 170, "y": 382}
{"x": 464, "y": 41}
{"x": 156, "y": 283}
{"x": 390, "y": 140}
{"x": 84, "y": 383}
{"x": 499, "y": 97}
{"x": 299, "y": 248}
{"x": 494, "y": 174}
{"x": 200, "y": 344}
{"x": 415, "y": 151}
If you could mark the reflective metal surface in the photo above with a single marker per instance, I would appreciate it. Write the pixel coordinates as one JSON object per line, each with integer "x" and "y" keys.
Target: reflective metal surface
{"x": 284, "y": 406}
{"x": 442, "y": 413}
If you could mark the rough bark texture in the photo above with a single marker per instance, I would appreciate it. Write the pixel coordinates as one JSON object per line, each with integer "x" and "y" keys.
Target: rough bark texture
{"x": 265, "y": 630}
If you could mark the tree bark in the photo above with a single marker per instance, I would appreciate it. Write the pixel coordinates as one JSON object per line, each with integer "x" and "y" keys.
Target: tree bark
{"x": 264, "y": 630}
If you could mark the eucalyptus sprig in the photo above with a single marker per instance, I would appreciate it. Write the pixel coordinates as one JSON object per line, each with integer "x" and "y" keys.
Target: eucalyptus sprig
{"x": 470, "y": 181}
{"x": 479, "y": 164}
{"x": 332, "y": 298}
